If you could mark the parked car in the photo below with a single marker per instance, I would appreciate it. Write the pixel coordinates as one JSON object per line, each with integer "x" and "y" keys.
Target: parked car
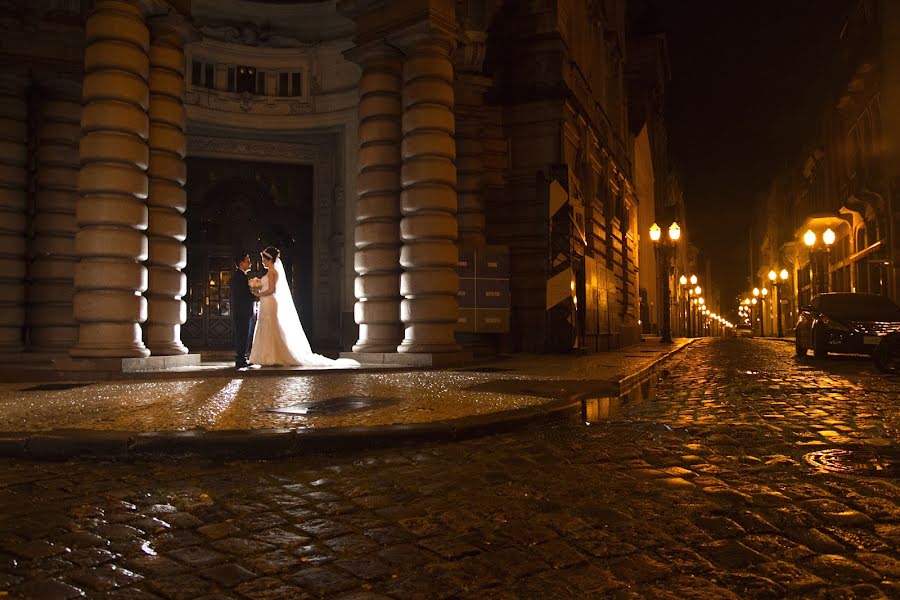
{"x": 844, "y": 322}
{"x": 887, "y": 353}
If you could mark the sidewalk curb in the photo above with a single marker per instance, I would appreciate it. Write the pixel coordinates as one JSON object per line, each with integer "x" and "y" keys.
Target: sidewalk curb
{"x": 63, "y": 444}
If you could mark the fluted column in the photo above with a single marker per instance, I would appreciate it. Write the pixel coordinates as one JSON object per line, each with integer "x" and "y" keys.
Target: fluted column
{"x": 377, "y": 232}
{"x": 13, "y": 202}
{"x": 167, "y": 228}
{"x": 51, "y": 324}
{"x": 111, "y": 211}
{"x": 429, "y": 282}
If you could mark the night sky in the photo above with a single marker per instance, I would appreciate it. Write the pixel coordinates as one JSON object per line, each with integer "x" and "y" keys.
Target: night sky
{"x": 750, "y": 80}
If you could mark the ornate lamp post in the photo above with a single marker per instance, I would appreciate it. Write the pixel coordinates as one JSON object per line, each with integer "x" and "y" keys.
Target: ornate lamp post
{"x": 820, "y": 276}
{"x": 665, "y": 253}
{"x": 682, "y": 307}
{"x": 773, "y": 277}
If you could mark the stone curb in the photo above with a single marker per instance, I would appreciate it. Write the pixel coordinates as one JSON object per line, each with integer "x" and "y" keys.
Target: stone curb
{"x": 64, "y": 444}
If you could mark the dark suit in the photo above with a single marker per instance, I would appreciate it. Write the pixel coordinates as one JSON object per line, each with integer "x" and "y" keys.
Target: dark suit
{"x": 243, "y": 314}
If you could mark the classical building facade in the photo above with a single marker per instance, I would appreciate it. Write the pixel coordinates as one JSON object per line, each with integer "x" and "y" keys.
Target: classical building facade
{"x": 375, "y": 142}
{"x": 846, "y": 180}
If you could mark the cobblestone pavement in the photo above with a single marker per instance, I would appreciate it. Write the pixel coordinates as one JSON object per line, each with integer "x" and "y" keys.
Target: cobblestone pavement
{"x": 698, "y": 491}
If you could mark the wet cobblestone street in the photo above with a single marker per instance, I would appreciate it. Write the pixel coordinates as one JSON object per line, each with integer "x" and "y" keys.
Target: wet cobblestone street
{"x": 700, "y": 490}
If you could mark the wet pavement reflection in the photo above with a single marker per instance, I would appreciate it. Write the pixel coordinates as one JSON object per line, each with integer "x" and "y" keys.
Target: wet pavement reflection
{"x": 699, "y": 485}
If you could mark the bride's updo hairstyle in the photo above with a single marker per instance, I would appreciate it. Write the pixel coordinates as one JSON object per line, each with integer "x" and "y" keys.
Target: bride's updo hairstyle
{"x": 272, "y": 253}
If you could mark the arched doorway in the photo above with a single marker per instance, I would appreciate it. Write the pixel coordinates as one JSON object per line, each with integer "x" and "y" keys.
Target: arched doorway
{"x": 243, "y": 206}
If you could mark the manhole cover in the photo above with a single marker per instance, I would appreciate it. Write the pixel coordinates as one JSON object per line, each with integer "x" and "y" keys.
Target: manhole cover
{"x": 868, "y": 462}
{"x": 53, "y": 387}
{"x": 484, "y": 370}
{"x": 335, "y": 406}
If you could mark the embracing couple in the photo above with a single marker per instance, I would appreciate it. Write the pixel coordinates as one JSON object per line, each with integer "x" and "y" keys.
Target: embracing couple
{"x": 266, "y": 325}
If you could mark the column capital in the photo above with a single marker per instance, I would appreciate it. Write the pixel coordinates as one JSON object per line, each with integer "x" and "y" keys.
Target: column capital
{"x": 172, "y": 30}
{"x": 372, "y": 53}
{"x": 469, "y": 55}
{"x": 429, "y": 34}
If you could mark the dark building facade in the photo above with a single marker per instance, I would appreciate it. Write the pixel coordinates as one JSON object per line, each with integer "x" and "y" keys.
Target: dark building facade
{"x": 375, "y": 142}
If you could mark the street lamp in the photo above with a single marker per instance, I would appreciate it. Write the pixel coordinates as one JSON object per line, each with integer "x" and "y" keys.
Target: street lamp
{"x": 682, "y": 307}
{"x": 810, "y": 239}
{"x": 773, "y": 277}
{"x": 666, "y": 251}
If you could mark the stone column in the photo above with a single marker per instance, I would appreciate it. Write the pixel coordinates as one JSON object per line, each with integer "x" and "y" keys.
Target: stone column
{"x": 470, "y": 87}
{"x": 167, "y": 228}
{"x": 111, "y": 211}
{"x": 377, "y": 233}
{"x": 13, "y": 202}
{"x": 429, "y": 282}
{"x": 51, "y": 324}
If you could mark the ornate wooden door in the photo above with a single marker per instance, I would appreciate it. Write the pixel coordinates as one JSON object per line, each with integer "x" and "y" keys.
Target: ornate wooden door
{"x": 238, "y": 206}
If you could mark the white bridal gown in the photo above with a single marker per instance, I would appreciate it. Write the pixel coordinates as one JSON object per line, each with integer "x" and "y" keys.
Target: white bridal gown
{"x": 279, "y": 338}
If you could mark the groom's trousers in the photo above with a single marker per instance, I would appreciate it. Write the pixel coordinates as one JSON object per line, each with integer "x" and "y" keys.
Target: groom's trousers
{"x": 244, "y": 328}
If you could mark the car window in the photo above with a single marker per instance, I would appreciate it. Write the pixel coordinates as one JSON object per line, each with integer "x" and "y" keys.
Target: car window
{"x": 860, "y": 307}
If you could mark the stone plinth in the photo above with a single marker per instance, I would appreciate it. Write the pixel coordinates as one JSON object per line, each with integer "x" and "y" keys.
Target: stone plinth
{"x": 437, "y": 359}
{"x": 126, "y": 365}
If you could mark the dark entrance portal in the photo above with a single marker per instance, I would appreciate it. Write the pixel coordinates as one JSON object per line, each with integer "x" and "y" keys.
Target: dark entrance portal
{"x": 242, "y": 206}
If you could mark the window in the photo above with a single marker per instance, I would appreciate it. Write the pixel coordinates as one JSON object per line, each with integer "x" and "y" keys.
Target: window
{"x": 261, "y": 83}
{"x": 289, "y": 84}
{"x": 230, "y": 86}
{"x": 202, "y": 74}
{"x": 246, "y": 79}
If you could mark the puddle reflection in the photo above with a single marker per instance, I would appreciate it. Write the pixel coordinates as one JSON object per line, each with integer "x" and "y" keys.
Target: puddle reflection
{"x": 605, "y": 407}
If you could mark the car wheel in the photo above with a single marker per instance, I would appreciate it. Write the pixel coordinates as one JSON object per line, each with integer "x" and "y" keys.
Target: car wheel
{"x": 801, "y": 351}
{"x": 818, "y": 344}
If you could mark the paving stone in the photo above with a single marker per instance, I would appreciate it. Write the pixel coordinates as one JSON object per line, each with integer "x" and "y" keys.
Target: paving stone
{"x": 241, "y": 546}
{"x": 886, "y": 565}
{"x": 228, "y": 575}
{"x": 324, "y": 580}
{"x": 197, "y": 556}
{"x": 180, "y": 587}
{"x": 731, "y": 554}
{"x": 216, "y": 531}
{"x": 271, "y": 588}
{"x": 49, "y": 589}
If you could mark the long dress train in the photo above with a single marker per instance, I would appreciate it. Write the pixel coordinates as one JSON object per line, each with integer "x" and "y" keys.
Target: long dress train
{"x": 279, "y": 338}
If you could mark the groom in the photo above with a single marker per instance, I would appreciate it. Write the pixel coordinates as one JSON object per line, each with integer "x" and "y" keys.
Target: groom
{"x": 243, "y": 311}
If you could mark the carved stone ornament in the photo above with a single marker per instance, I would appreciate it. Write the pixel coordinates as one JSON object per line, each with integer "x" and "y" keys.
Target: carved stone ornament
{"x": 246, "y": 102}
{"x": 469, "y": 55}
{"x": 250, "y": 34}
{"x": 211, "y": 146}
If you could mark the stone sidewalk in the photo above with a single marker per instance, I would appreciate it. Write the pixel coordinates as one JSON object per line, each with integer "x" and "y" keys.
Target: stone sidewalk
{"x": 214, "y": 411}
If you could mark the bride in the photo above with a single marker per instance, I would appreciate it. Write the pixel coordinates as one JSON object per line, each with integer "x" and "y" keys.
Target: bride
{"x": 279, "y": 338}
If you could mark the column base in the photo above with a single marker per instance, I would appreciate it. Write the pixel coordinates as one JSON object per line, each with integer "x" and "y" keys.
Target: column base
{"x": 173, "y": 349}
{"x": 435, "y": 359}
{"x": 126, "y": 365}
{"x": 374, "y": 348}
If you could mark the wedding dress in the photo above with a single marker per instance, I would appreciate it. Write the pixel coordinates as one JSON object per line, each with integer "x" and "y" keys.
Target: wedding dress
{"x": 279, "y": 338}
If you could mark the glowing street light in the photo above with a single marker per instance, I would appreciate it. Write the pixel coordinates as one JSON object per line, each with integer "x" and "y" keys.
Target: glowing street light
{"x": 674, "y": 231}
{"x": 655, "y": 232}
{"x": 828, "y": 237}
{"x": 809, "y": 238}
{"x": 693, "y": 280}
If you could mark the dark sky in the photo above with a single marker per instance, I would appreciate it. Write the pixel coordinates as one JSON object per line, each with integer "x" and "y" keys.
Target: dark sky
{"x": 750, "y": 80}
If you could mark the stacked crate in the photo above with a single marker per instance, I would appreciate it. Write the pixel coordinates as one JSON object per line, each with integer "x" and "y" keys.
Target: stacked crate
{"x": 483, "y": 295}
